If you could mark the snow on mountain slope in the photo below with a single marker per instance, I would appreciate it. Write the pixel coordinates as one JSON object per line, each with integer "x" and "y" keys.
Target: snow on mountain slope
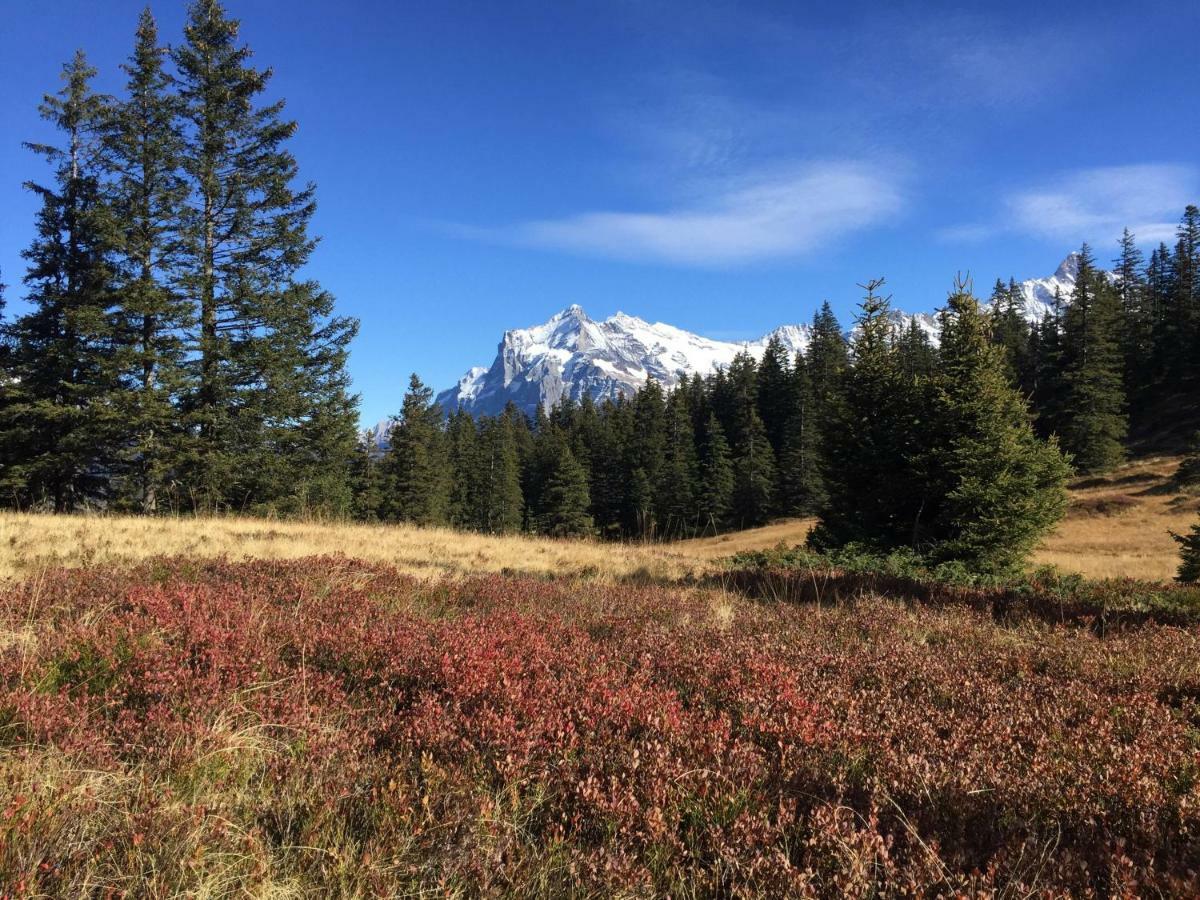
{"x": 1040, "y": 292}
{"x": 571, "y": 354}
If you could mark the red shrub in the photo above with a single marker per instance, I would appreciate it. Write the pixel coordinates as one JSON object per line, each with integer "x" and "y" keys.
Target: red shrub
{"x": 359, "y": 731}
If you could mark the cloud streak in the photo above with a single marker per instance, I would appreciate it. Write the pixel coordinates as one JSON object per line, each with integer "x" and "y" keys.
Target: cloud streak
{"x": 1095, "y": 205}
{"x": 775, "y": 215}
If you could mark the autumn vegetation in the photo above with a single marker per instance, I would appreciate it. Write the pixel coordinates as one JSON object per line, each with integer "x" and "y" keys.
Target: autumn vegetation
{"x": 331, "y": 727}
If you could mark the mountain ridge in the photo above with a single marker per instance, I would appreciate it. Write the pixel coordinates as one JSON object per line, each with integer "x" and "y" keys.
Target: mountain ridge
{"x": 571, "y": 354}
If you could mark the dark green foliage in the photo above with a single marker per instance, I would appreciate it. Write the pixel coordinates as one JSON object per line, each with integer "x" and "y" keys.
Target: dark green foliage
{"x": 366, "y": 481}
{"x": 868, "y": 476}
{"x": 715, "y": 493}
{"x": 59, "y": 434}
{"x": 565, "y": 501}
{"x": 1189, "y": 554}
{"x": 1137, "y": 336}
{"x": 645, "y": 447}
{"x": 607, "y": 478}
{"x": 1181, "y": 318}
{"x": 776, "y": 391}
{"x": 416, "y": 470}
{"x": 1003, "y": 488}
{"x": 828, "y": 359}
{"x": 676, "y": 489}
{"x": 941, "y": 463}
{"x": 801, "y": 480}
{"x": 1093, "y": 422}
{"x": 754, "y": 475}
{"x": 462, "y": 450}
{"x": 243, "y": 239}
{"x": 1011, "y": 331}
{"x": 498, "y": 503}
{"x": 143, "y": 143}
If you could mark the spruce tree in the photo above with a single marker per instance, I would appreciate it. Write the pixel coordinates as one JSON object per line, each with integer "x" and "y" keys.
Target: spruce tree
{"x": 1049, "y": 388}
{"x": 466, "y": 472}
{"x": 59, "y": 434}
{"x": 142, "y": 144}
{"x": 1137, "y": 337}
{"x": 566, "y": 501}
{"x": 827, "y": 360}
{"x": 715, "y": 492}
{"x": 995, "y": 488}
{"x": 1094, "y": 418}
{"x": 675, "y": 493}
{"x": 608, "y": 477}
{"x": 367, "y": 481}
{"x": 801, "y": 483}
{"x": 775, "y": 391}
{"x": 539, "y": 465}
{"x": 867, "y": 475}
{"x": 1160, "y": 295}
{"x": 416, "y": 469}
{"x": 916, "y": 357}
{"x": 270, "y": 354}
{"x": 754, "y": 474}
{"x": 1011, "y": 331}
{"x": 1189, "y": 555}
{"x": 499, "y": 503}
{"x": 1186, "y": 278}
{"x": 739, "y": 398}
{"x": 644, "y": 455}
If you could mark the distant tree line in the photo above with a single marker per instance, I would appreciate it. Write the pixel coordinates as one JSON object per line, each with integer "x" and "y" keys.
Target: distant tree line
{"x": 1120, "y": 356}
{"x": 174, "y": 358}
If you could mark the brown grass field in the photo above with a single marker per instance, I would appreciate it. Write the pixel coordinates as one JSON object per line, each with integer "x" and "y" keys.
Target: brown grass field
{"x": 1118, "y": 525}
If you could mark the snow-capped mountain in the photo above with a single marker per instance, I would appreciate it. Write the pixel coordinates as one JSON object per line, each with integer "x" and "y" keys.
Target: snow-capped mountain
{"x": 1040, "y": 292}
{"x": 571, "y": 354}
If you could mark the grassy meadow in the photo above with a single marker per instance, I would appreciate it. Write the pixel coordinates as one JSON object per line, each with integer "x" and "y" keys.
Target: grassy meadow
{"x": 1117, "y": 526}
{"x": 232, "y": 707}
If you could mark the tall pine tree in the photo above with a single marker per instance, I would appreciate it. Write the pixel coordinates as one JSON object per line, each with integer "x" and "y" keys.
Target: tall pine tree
{"x": 143, "y": 143}
{"x": 416, "y": 470}
{"x": 996, "y": 489}
{"x": 499, "y": 505}
{"x": 867, "y": 474}
{"x": 1094, "y": 418}
{"x": 566, "y": 501}
{"x": 801, "y": 482}
{"x": 715, "y": 492}
{"x": 271, "y": 394}
{"x": 59, "y": 434}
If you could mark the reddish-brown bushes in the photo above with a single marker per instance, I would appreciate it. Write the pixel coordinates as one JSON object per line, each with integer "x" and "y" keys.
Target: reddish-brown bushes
{"x": 333, "y": 727}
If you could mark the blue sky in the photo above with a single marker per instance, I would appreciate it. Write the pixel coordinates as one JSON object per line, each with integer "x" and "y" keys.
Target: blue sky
{"x": 720, "y": 166}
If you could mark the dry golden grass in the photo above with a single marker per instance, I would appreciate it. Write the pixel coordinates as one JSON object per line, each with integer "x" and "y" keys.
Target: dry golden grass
{"x": 705, "y": 549}
{"x": 30, "y": 542}
{"x": 1118, "y": 526}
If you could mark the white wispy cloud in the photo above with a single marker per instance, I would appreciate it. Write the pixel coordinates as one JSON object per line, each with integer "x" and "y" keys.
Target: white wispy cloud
{"x": 751, "y": 218}
{"x": 1094, "y": 205}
